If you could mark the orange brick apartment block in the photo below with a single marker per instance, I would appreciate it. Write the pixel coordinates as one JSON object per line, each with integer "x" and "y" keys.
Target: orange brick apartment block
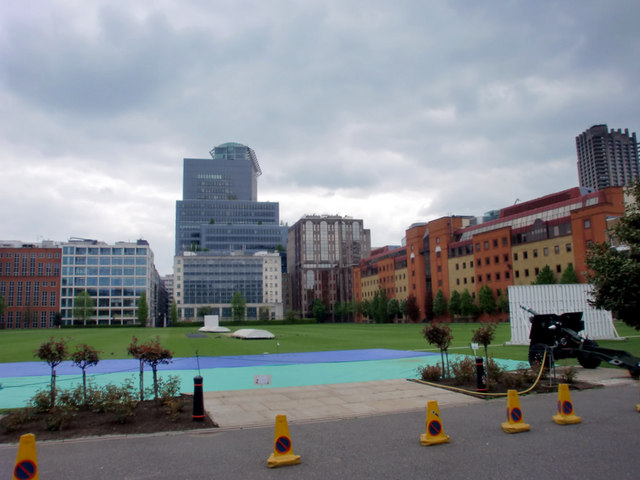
{"x": 454, "y": 253}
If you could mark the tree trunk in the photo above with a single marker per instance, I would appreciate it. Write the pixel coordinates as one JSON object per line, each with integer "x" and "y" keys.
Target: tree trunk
{"x": 155, "y": 382}
{"x": 486, "y": 364}
{"x": 53, "y": 387}
{"x": 141, "y": 380}
{"x": 84, "y": 385}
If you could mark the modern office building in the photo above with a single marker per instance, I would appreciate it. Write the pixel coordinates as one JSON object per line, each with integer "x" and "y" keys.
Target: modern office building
{"x": 321, "y": 253}
{"x": 220, "y": 227}
{"x": 455, "y": 253}
{"x": 114, "y": 276}
{"x": 219, "y": 211}
{"x": 30, "y": 284}
{"x": 203, "y": 279}
{"x": 607, "y": 158}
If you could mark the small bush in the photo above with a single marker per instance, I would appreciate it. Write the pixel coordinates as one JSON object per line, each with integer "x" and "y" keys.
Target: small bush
{"x": 71, "y": 398}
{"x": 494, "y": 371}
{"x": 521, "y": 378}
{"x": 174, "y": 406}
{"x": 119, "y": 400}
{"x": 430, "y": 373}
{"x": 58, "y": 418}
{"x": 17, "y": 418}
{"x": 41, "y": 401}
{"x": 569, "y": 375}
{"x": 169, "y": 389}
{"x": 464, "y": 371}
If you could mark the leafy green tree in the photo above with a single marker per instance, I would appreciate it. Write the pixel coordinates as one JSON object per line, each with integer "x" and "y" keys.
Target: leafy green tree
{"x": 403, "y": 307}
{"x": 569, "y": 275}
{"x": 379, "y": 306}
{"x": 3, "y": 305}
{"x": 454, "y": 303}
{"x": 291, "y": 316}
{"x": 53, "y": 352}
{"x": 134, "y": 349}
{"x": 202, "y": 311}
{"x": 467, "y": 304}
{"x": 545, "y": 277}
{"x": 412, "y": 309}
{"x": 503, "y": 302}
{"x": 393, "y": 308}
{"x": 486, "y": 301}
{"x": 83, "y": 357}
{"x": 153, "y": 354}
{"x": 615, "y": 272}
{"x": 436, "y": 333}
{"x": 238, "y": 307}
{"x": 439, "y": 304}
{"x": 84, "y": 307}
{"x": 340, "y": 310}
{"x": 364, "y": 308}
{"x": 143, "y": 310}
{"x": 484, "y": 336}
{"x": 319, "y": 310}
{"x": 173, "y": 313}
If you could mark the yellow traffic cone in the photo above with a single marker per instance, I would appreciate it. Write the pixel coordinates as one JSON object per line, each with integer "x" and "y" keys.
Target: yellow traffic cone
{"x": 565, "y": 414}
{"x": 435, "y": 433}
{"x": 26, "y": 460}
{"x": 514, "y": 423}
{"x": 283, "y": 449}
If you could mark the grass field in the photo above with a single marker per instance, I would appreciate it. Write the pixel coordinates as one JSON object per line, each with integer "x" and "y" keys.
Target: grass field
{"x": 19, "y": 345}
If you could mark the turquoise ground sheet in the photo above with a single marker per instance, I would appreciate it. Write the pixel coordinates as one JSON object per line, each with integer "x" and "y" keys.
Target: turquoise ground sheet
{"x": 16, "y": 391}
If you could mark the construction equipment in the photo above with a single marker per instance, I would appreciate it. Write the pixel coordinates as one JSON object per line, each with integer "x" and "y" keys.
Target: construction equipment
{"x": 559, "y": 336}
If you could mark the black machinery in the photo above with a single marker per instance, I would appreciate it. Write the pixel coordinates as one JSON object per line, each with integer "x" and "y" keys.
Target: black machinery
{"x": 559, "y": 336}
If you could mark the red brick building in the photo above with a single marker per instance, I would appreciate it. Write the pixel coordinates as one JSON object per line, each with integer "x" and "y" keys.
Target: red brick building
{"x": 29, "y": 284}
{"x": 456, "y": 253}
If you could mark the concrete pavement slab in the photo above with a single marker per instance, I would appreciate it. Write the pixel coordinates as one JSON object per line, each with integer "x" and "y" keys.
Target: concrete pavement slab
{"x": 259, "y": 407}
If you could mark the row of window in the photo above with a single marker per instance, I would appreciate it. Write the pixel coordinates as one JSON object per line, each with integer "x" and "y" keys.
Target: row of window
{"x": 545, "y": 252}
{"x": 27, "y": 320}
{"x": 117, "y": 313}
{"x": 505, "y": 243}
{"x": 15, "y": 295}
{"x": 104, "y": 261}
{"x": 30, "y": 269}
{"x": 505, "y": 257}
{"x": 69, "y": 250}
{"x": 105, "y": 271}
{"x": 389, "y": 291}
{"x": 104, "y": 281}
{"x": 32, "y": 256}
{"x": 104, "y": 292}
{"x": 498, "y": 276}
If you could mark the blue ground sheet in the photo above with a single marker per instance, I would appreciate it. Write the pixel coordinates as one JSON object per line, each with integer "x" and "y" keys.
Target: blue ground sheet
{"x": 21, "y": 380}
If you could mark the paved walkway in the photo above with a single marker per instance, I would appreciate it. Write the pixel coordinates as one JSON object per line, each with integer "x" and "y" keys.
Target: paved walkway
{"x": 259, "y": 407}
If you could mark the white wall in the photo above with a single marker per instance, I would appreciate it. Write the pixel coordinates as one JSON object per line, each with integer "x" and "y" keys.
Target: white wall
{"x": 556, "y": 299}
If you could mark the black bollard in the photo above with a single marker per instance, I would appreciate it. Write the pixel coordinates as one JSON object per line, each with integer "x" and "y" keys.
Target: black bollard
{"x": 198, "y": 400}
{"x": 481, "y": 377}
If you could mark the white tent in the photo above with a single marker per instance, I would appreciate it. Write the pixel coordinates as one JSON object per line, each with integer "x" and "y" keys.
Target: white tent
{"x": 212, "y": 325}
{"x": 252, "y": 333}
{"x": 558, "y": 299}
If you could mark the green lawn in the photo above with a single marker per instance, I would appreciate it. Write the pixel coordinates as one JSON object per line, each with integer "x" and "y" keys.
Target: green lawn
{"x": 18, "y": 345}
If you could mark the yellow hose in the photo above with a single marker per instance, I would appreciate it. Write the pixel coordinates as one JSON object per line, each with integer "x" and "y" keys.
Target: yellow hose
{"x": 455, "y": 389}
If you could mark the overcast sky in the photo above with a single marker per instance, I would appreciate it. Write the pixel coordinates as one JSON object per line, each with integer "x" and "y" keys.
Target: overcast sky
{"x": 393, "y": 112}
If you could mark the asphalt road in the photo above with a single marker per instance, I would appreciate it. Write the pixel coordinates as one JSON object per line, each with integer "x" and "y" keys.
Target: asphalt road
{"x": 605, "y": 445}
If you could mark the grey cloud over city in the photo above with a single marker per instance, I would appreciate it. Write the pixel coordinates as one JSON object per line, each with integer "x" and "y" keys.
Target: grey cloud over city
{"x": 393, "y": 112}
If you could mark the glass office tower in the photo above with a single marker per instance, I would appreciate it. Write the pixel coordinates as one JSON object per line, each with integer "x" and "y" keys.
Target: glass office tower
{"x": 220, "y": 227}
{"x": 220, "y": 203}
